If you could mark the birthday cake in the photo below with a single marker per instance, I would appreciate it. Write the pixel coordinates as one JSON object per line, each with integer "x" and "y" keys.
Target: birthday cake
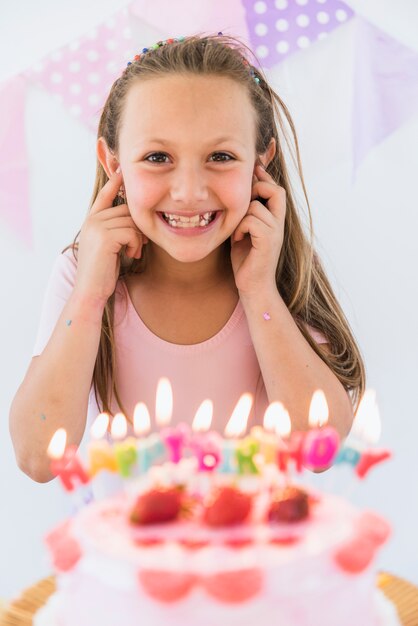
{"x": 182, "y": 546}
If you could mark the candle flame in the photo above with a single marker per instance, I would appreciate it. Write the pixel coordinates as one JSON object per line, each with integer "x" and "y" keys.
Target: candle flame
{"x": 237, "y": 424}
{"x": 163, "y": 402}
{"x": 318, "y": 411}
{"x": 119, "y": 426}
{"x": 203, "y": 418}
{"x": 367, "y": 425}
{"x": 57, "y": 444}
{"x": 283, "y": 425}
{"x": 99, "y": 426}
{"x": 270, "y": 416}
{"x": 142, "y": 421}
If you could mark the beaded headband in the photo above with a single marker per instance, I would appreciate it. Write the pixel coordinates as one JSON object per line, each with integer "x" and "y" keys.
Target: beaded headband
{"x": 161, "y": 43}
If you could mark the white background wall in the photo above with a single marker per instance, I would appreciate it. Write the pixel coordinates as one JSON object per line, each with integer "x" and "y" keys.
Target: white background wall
{"x": 366, "y": 233}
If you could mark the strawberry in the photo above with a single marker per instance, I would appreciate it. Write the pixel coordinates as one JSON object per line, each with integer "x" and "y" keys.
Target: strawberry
{"x": 166, "y": 586}
{"x": 157, "y": 506}
{"x": 226, "y": 506}
{"x": 290, "y": 504}
{"x": 235, "y": 586}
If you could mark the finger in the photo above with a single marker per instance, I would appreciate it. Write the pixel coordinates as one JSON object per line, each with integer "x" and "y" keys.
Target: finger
{"x": 120, "y": 210}
{"x": 120, "y": 216}
{"x": 126, "y": 222}
{"x": 125, "y": 237}
{"x": 123, "y": 221}
{"x": 274, "y": 194}
{"x": 258, "y": 210}
{"x": 250, "y": 225}
{"x": 107, "y": 193}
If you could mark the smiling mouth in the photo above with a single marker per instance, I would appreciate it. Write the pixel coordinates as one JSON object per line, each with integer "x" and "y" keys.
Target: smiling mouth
{"x": 180, "y": 221}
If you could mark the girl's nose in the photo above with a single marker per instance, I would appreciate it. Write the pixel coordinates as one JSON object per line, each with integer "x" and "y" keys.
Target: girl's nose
{"x": 189, "y": 187}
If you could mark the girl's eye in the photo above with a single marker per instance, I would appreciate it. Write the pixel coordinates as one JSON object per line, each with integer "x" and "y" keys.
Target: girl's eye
{"x": 155, "y": 154}
{"x": 223, "y": 154}
{"x": 158, "y": 154}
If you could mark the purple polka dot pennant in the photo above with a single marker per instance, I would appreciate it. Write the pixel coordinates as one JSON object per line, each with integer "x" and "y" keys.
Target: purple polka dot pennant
{"x": 278, "y": 28}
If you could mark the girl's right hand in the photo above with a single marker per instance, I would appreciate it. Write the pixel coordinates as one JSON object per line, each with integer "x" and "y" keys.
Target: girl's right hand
{"x": 106, "y": 230}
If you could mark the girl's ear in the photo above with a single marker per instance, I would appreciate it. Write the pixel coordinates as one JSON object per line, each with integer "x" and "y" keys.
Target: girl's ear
{"x": 265, "y": 158}
{"x": 106, "y": 157}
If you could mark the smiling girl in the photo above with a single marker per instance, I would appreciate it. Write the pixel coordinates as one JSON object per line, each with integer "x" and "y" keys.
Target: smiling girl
{"x": 192, "y": 263}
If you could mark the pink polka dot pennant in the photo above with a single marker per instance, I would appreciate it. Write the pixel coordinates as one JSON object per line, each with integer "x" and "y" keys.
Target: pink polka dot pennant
{"x": 80, "y": 74}
{"x": 279, "y": 28}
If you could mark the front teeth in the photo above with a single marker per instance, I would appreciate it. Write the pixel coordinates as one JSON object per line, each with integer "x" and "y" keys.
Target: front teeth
{"x": 176, "y": 220}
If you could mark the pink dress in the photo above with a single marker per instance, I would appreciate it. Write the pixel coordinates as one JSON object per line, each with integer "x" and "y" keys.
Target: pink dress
{"x": 221, "y": 368}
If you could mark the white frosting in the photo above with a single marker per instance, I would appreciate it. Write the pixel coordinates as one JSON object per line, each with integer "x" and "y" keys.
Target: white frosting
{"x": 48, "y": 615}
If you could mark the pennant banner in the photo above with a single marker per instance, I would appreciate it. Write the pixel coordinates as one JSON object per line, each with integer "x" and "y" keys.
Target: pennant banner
{"x": 14, "y": 168}
{"x": 385, "y": 90}
{"x": 80, "y": 74}
{"x": 282, "y": 27}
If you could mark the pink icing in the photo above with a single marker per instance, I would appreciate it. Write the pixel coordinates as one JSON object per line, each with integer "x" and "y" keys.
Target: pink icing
{"x": 65, "y": 550}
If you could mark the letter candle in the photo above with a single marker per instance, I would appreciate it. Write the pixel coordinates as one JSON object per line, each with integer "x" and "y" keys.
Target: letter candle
{"x": 365, "y": 432}
{"x": 266, "y": 435}
{"x": 150, "y": 448}
{"x": 321, "y": 443}
{"x": 66, "y": 464}
{"x": 205, "y": 445}
{"x": 126, "y": 448}
{"x": 288, "y": 447}
{"x": 236, "y": 427}
{"x": 100, "y": 452}
{"x": 177, "y": 437}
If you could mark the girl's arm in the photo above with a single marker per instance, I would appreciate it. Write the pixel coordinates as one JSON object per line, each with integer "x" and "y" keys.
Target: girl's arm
{"x": 291, "y": 369}
{"x": 55, "y": 390}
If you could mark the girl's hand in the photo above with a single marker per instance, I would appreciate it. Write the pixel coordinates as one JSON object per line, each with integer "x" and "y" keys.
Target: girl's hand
{"x": 105, "y": 232}
{"x": 257, "y": 241}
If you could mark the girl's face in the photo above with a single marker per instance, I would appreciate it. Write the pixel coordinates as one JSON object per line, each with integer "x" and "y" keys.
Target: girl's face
{"x": 187, "y": 145}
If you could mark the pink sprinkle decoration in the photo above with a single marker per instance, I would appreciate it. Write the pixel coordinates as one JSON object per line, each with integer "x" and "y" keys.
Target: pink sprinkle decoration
{"x": 266, "y": 316}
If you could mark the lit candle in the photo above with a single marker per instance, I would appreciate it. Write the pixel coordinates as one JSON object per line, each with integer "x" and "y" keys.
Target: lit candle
{"x": 366, "y": 418}
{"x": 290, "y": 444}
{"x": 266, "y": 436}
{"x": 64, "y": 461}
{"x": 100, "y": 452}
{"x": 125, "y": 451}
{"x": 365, "y": 432}
{"x": 236, "y": 427}
{"x": 320, "y": 444}
{"x": 176, "y": 438}
{"x": 150, "y": 448}
{"x": 205, "y": 445}
{"x": 247, "y": 449}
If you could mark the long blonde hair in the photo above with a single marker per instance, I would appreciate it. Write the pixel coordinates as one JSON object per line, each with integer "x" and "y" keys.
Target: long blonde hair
{"x": 300, "y": 277}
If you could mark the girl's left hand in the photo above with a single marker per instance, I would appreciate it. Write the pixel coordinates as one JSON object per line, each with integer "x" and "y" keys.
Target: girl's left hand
{"x": 255, "y": 257}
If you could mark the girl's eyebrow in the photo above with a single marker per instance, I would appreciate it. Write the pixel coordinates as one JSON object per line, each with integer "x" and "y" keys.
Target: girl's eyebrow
{"x": 165, "y": 142}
